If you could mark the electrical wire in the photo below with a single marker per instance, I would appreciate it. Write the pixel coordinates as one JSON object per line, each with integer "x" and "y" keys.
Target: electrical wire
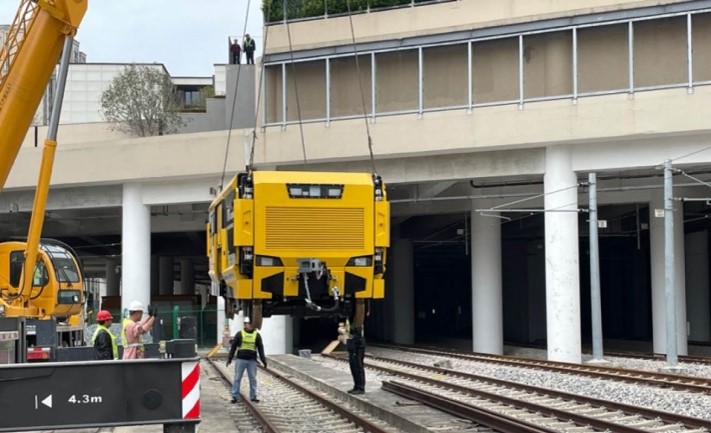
{"x": 360, "y": 85}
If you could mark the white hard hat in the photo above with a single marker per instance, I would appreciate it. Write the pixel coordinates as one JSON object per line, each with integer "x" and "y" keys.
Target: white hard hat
{"x": 246, "y": 320}
{"x": 135, "y": 306}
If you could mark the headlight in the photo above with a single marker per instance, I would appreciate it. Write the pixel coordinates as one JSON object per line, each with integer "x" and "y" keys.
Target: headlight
{"x": 268, "y": 261}
{"x": 360, "y": 261}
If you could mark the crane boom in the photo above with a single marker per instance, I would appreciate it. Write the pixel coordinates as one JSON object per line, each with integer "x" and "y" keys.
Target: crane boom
{"x": 28, "y": 57}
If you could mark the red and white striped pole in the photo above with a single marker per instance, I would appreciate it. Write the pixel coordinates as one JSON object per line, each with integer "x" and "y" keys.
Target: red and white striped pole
{"x": 190, "y": 372}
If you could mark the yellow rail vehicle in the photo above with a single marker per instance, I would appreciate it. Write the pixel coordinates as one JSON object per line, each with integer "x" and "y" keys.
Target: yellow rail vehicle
{"x": 306, "y": 244}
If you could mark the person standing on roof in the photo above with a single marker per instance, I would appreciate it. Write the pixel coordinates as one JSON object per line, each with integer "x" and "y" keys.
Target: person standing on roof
{"x": 103, "y": 340}
{"x": 249, "y": 47}
{"x": 235, "y": 52}
{"x": 133, "y": 328}
{"x": 249, "y": 342}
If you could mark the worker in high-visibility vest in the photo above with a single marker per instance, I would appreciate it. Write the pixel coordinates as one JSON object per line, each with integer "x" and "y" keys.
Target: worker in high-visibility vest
{"x": 133, "y": 329}
{"x": 103, "y": 340}
{"x": 248, "y": 344}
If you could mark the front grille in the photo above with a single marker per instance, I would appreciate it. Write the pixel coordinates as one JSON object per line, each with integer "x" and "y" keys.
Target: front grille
{"x": 315, "y": 228}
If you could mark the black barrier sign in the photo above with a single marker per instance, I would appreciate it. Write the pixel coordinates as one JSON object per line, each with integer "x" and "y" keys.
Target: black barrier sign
{"x": 46, "y": 396}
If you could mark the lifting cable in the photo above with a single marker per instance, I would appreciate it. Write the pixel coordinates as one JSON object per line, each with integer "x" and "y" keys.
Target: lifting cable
{"x": 296, "y": 86}
{"x": 360, "y": 85}
{"x": 250, "y": 163}
{"x": 234, "y": 103}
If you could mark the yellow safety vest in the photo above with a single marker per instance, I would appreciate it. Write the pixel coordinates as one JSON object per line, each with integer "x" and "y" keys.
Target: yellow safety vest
{"x": 124, "y": 342}
{"x": 249, "y": 340}
{"x": 100, "y": 328}
{"x": 348, "y": 329}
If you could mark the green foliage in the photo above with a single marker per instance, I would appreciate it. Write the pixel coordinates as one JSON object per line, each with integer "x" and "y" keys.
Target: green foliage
{"x": 143, "y": 102}
{"x": 296, "y": 9}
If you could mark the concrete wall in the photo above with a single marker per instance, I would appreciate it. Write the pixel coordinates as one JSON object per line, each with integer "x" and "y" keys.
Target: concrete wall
{"x": 459, "y": 15}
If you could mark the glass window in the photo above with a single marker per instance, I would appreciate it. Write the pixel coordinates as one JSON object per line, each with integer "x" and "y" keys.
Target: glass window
{"x": 495, "y": 70}
{"x": 445, "y": 76}
{"x": 701, "y": 41}
{"x": 17, "y": 259}
{"x": 603, "y": 58}
{"x": 309, "y": 78}
{"x": 346, "y": 97}
{"x": 64, "y": 265}
{"x": 548, "y": 64}
{"x": 397, "y": 81}
{"x": 273, "y": 93}
{"x": 660, "y": 52}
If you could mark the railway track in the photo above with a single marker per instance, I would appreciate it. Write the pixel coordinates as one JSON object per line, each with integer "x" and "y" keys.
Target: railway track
{"x": 702, "y": 360}
{"x": 649, "y": 378}
{"x": 290, "y": 406}
{"x": 544, "y": 408}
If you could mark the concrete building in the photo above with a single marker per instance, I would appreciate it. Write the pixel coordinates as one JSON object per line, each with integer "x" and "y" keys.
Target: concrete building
{"x": 486, "y": 118}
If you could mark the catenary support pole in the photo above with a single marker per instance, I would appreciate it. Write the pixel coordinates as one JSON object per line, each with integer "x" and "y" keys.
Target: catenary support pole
{"x": 669, "y": 275}
{"x": 595, "y": 299}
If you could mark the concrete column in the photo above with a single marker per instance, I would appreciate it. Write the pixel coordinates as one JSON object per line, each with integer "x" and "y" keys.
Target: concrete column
{"x": 696, "y": 246}
{"x": 562, "y": 267}
{"x": 154, "y": 275}
{"x": 187, "y": 278}
{"x": 487, "y": 307}
{"x": 659, "y": 303}
{"x": 165, "y": 276}
{"x": 135, "y": 247}
{"x": 277, "y": 335}
{"x": 402, "y": 297}
{"x": 113, "y": 278}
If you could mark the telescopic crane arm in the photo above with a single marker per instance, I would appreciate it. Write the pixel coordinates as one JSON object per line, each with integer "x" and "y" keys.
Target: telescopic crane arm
{"x": 28, "y": 57}
{"x": 41, "y": 31}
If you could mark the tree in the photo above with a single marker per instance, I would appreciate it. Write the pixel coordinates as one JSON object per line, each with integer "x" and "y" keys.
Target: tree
{"x": 142, "y": 101}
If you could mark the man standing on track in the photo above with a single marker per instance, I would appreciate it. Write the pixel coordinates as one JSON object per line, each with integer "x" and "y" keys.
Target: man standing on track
{"x": 249, "y": 342}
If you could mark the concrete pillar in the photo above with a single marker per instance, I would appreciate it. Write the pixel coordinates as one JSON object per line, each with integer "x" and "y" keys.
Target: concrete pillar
{"x": 696, "y": 253}
{"x": 187, "y": 278}
{"x": 277, "y": 335}
{"x": 562, "y": 262}
{"x": 113, "y": 278}
{"x": 659, "y": 303}
{"x": 487, "y": 304}
{"x": 135, "y": 247}
{"x": 402, "y": 296}
{"x": 154, "y": 275}
{"x": 165, "y": 276}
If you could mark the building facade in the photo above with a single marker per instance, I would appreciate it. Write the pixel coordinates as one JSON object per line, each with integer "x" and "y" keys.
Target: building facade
{"x": 485, "y": 118}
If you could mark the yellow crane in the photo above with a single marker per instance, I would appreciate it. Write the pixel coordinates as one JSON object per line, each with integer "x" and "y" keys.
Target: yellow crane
{"x": 38, "y": 279}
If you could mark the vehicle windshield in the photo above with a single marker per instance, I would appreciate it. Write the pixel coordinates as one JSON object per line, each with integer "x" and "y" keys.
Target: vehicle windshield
{"x": 64, "y": 265}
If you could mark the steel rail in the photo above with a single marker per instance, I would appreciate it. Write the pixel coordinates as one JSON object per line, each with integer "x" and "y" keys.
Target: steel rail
{"x": 663, "y": 380}
{"x": 500, "y": 422}
{"x": 262, "y": 419}
{"x": 269, "y": 426}
{"x": 667, "y": 417}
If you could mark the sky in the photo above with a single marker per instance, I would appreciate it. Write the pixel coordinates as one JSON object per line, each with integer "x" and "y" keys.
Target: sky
{"x": 188, "y": 36}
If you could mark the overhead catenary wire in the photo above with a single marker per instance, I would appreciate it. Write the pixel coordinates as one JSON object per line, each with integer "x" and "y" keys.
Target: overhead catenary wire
{"x": 234, "y": 105}
{"x": 360, "y": 85}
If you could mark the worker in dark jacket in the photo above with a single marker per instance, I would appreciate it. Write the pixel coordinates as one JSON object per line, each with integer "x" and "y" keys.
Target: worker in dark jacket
{"x": 355, "y": 343}
{"x": 235, "y": 52}
{"x": 246, "y": 343}
{"x": 103, "y": 340}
